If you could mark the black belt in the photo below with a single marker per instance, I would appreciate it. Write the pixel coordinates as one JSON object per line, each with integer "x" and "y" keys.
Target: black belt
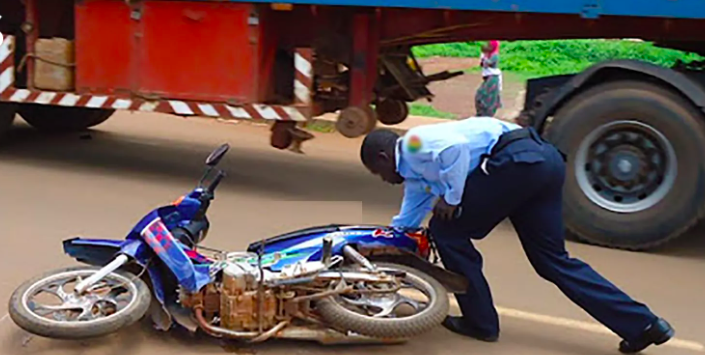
{"x": 505, "y": 140}
{"x": 512, "y": 136}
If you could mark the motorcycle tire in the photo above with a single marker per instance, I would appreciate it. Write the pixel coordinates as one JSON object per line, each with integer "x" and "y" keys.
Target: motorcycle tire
{"x": 339, "y": 317}
{"x": 27, "y": 319}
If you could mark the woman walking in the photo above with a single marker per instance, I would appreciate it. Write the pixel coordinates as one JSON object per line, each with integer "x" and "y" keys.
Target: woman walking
{"x": 487, "y": 98}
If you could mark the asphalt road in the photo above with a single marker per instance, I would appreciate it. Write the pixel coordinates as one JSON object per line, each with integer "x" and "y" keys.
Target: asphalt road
{"x": 53, "y": 187}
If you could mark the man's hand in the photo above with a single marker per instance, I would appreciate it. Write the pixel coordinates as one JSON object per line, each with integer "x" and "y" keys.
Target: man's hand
{"x": 444, "y": 210}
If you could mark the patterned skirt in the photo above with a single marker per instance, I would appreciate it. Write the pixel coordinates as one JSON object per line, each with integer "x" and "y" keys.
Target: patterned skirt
{"x": 487, "y": 97}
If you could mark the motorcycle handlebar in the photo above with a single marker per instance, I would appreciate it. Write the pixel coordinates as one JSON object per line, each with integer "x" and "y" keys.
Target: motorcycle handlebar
{"x": 216, "y": 182}
{"x": 207, "y": 196}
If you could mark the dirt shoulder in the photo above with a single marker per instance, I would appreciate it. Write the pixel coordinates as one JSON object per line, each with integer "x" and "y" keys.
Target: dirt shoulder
{"x": 457, "y": 95}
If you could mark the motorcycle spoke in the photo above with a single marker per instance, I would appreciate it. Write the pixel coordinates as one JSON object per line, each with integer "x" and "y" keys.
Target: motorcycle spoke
{"x": 416, "y": 305}
{"x": 86, "y": 313}
{"x": 45, "y": 310}
{"x": 57, "y": 289}
{"x": 380, "y": 306}
{"x": 118, "y": 299}
{"x": 388, "y": 309}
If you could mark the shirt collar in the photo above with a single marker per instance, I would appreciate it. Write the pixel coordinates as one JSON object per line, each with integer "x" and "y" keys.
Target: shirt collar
{"x": 401, "y": 165}
{"x": 397, "y": 154}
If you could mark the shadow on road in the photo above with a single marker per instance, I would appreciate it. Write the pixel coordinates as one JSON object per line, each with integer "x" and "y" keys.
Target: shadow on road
{"x": 140, "y": 339}
{"x": 689, "y": 245}
{"x": 281, "y": 175}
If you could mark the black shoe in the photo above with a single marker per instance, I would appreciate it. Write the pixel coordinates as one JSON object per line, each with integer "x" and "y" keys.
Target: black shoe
{"x": 455, "y": 325}
{"x": 655, "y": 334}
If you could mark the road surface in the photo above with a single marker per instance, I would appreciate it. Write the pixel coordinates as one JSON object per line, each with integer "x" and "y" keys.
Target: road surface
{"x": 54, "y": 187}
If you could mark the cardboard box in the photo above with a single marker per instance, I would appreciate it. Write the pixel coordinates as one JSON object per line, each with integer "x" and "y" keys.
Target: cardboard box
{"x": 53, "y": 64}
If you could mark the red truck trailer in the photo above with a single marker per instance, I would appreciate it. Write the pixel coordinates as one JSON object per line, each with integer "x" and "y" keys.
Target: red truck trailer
{"x": 70, "y": 65}
{"x": 633, "y": 132}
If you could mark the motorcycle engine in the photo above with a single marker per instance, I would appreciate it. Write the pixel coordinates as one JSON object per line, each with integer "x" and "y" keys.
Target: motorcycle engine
{"x": 238, "y": 301}
{"x": 235, "y": 300}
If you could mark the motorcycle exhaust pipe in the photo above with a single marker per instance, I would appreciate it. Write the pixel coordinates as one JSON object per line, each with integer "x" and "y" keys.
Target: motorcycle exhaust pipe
{"x": 219, "y": 331}
{"x": 254, "y": 337}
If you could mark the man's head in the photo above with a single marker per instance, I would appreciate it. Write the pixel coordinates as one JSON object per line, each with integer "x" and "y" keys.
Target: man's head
{"x": 492, "y": 47}
{"x": 378, "y": 154}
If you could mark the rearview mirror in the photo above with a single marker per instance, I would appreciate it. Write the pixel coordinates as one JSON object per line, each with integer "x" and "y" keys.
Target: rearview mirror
{"x": 217, "y": 155}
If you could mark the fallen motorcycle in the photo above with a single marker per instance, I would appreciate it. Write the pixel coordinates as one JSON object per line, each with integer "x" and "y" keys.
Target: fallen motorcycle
{"x": 332, "y": 284}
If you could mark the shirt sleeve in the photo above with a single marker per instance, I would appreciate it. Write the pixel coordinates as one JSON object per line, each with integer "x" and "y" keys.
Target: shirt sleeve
{"x": 414, "y": 207}
{"x": 455, "y": 167}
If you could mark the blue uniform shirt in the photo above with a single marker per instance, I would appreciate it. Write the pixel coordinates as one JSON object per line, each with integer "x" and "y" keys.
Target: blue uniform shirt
{"x": 435, "y": 160}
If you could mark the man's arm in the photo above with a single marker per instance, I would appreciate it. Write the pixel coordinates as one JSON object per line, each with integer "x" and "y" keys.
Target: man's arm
{"x": 455, "y": 167}
{"x": 414, "y": 208}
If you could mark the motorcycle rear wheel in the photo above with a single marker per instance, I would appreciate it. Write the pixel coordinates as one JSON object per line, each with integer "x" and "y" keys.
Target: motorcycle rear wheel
{"x": 334, "y": 313}
{"x": 92, "y": 320}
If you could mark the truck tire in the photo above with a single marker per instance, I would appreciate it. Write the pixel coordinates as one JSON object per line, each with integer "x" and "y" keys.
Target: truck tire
{"x": 7, "y": 116}
{"x": 391, "y": 112}
{"x": 356, "y": 121}
{"x": 635, "y": 178}
{"x": 65, "y": 119}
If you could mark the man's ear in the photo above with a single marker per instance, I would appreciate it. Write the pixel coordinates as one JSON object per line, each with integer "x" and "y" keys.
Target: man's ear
{"x": 383, "y": 156}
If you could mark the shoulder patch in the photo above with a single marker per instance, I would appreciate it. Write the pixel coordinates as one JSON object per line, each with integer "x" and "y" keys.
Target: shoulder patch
{"x": 413, "y": 144}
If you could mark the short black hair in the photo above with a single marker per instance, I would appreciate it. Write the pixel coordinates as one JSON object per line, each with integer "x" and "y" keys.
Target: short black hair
{"x": 377, "y": 141}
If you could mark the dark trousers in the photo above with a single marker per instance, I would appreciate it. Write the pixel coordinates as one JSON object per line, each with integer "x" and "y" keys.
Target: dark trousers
{"x": 525, "y": 183}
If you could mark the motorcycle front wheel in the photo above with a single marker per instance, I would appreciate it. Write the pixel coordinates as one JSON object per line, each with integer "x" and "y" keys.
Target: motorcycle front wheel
{"x": 47, "y": 306}
{"x": 375, "y": 315}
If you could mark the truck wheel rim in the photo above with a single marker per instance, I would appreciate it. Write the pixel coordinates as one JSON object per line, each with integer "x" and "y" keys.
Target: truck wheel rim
{"x": 625, "y": 166}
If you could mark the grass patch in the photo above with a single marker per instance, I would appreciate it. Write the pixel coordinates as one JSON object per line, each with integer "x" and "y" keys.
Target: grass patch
{"x": 542, "y": 58}
{"x": 457, "y": 50}
{"x": 320, "y": 126}
{"x": 424, "y": 110}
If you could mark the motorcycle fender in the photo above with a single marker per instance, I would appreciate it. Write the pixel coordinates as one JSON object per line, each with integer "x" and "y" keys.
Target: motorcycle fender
{"x": 96, "y": 252}
{"x": 454, "y": 283}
